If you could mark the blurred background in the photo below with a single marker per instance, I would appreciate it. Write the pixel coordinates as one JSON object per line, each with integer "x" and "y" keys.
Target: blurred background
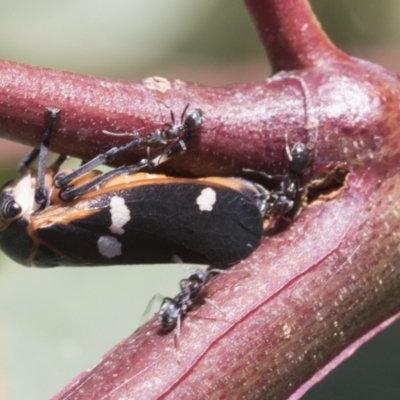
{"x": 56, "y": 323}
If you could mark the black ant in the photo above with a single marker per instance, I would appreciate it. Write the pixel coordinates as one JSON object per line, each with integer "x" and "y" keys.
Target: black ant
{"x": 177, "y": 133}
{"x": 181, "y": 132}
{"x": 172, "y": 310}
{"x": 282, "y": 201}
{"x": 173, "y": 136}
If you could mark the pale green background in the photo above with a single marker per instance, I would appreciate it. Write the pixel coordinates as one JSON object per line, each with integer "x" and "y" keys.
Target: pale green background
{"x": 56, "y": 323}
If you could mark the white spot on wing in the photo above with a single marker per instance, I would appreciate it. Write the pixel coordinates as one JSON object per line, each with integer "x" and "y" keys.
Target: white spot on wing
{"x": 120, "y": 215}
{"x": 207, "y": 199}
{"x": 109, "y": 246}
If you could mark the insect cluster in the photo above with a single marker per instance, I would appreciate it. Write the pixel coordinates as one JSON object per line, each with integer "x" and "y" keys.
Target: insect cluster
{"x": 129, "y": 216}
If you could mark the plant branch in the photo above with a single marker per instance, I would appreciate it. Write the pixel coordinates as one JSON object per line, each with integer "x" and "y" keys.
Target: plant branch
{"x": 291, "y": 35}
{"x": 310, "y": 291}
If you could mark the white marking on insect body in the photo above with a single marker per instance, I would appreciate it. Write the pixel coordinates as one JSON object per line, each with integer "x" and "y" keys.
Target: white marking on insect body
{"x": 24, "y": 194}
{"x": 207, "y": 199}
{"x": 120, "y": 215}
{"x": 109, "y": 246}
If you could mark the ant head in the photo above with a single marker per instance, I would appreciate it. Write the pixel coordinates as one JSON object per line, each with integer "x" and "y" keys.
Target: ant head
{"x": 279, "y": 205}
{"x": 200, "y": 276}
{"x": 194, "y": 119}
{"x": 299, "y": 158}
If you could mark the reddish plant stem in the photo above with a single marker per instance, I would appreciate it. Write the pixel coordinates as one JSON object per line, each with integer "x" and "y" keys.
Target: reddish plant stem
{"x": 307, "y": 292}
{"x": 291, "y": 36}
{"x": 90, "y": 105}
{"x": 343, "y": 356}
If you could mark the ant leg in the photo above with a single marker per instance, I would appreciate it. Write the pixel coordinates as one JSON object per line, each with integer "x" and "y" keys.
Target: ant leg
{"x": 41, "y": 191}
{"x": 182, "y": 283}
{"x": 177, "y": 333}
{"x": 287, "y": 148}
{"x": 170, "y": 151}
{"x": 184, "y": 112}
{"x": 171, "y": 113}
{"x": 312, "y": 122}
{"x": 214, "y": 304}
{"x": 264, "y": 174}
{"x": 149, "y": 306}
{"x": 134, "y": 134}
{"x": 219, "y": 271}
{"x": 180, "y": 146}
